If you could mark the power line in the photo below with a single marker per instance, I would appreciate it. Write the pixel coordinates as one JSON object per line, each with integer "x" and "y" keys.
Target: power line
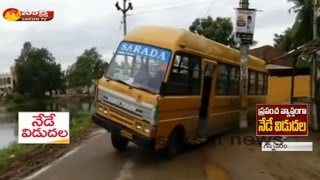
{"x": 173, "y": 7}
{"x": 202, "y": 10}
{"x": 162, "y": 3}
{"x": 124, "y": 11}
{"x": 209, "y": 8}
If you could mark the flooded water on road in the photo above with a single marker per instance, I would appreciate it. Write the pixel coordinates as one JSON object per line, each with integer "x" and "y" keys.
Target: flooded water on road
{"x": 8, "y": 128}
{"x": 9, "y": 118}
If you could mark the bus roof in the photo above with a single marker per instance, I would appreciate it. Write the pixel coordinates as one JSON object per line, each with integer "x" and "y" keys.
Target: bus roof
{"x": 175, "y": 38}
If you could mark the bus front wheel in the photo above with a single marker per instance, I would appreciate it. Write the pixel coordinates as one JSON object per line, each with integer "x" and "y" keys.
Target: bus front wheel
{"x": 174, "y": 144}
{"x": 118, "y": 142}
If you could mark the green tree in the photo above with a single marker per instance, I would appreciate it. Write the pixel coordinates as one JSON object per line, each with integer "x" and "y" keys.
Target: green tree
{"x": 301, "y": 32}
{"x": 302, "y": 28}
{"x": 284, "y": 41}
{"x": 88, "y": 67}
{"x": 37, "y": 72}
{"x": 64, "y": 80}
{"x": 220, "y": 29}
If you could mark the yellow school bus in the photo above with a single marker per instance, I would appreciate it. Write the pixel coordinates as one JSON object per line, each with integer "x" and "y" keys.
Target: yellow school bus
{"x": 166, "y": 87}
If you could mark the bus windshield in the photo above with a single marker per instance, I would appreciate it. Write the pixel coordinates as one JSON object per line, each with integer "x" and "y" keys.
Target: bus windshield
{"x": 139, "y": 66}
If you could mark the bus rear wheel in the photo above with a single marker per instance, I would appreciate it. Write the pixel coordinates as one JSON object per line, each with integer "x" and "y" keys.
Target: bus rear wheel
{"x": 118, "y": 142}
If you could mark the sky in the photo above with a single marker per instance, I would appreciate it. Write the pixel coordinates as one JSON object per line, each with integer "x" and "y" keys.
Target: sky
{"x": 82, "y": 24}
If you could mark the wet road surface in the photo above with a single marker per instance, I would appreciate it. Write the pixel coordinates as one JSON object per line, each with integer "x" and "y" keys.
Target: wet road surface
{"x": 96, "y": 159}
{"x": 219, "y": 160}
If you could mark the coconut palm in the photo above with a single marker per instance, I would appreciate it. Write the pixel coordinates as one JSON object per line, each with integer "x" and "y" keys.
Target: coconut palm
{"x": 302, "y": 29}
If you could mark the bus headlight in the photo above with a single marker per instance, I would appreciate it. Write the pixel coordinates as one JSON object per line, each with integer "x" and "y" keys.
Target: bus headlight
{"x": 147, "y": 129}
{"x": 103, "y": 110}
{"x": 139, "y": 126}
{"x": 144, "y": 128}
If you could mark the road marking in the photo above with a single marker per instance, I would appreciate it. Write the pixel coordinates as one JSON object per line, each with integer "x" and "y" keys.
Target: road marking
{"x": 126, "y": 171}
{"x": 37, "y": 173}
{"x": 95, "y": 133}
{"x": 74, "y": 150}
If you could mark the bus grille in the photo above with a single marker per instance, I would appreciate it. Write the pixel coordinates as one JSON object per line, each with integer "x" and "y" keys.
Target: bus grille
{"x": 122, "y": 117}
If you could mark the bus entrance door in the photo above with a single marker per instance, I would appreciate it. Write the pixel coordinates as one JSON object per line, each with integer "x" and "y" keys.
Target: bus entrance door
{"x": 205, "y": 110}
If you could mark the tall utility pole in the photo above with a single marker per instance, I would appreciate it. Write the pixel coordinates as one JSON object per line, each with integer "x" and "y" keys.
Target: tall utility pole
{"x": 314, "y": 68}
{"x": 124, "y": 11}
{"x": 244, "y": 50}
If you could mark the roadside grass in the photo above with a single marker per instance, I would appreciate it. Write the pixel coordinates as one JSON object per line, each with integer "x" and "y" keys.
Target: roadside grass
{"x": 82, "y": 123}
{"x": 14, "y": 150}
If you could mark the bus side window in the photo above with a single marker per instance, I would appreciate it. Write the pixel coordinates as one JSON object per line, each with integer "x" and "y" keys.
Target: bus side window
{"x": 222, "y": 79}
{"x": 252, "y": 83}
{"x": 260, "y": 85}
{"x": 184, "y": 79}
{"x": 228, "y": 80}
{"x": 265, "y": 84}
{"x": 234, "y": 81}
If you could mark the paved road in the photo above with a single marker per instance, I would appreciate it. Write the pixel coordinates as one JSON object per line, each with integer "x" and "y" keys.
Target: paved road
{"x": 97, "y": 160}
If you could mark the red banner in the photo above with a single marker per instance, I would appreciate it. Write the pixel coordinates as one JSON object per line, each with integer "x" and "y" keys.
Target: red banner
{"x": 282, "y": 120}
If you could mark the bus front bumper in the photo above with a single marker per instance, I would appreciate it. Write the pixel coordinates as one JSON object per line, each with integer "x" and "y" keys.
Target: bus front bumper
{"x": 113, "y": 127}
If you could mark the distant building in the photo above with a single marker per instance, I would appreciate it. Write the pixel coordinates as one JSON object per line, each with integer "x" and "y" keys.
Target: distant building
{"x": 13, "y": 75}
{"x": 6, "y": 84}
{"x": 268, "y": 54}
{"x": 280, "y": 72}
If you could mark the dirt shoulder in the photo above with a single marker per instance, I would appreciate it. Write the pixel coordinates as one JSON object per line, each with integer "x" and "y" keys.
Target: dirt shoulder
{"x": 243, "y": 161}
{"x": 26, "y": 164}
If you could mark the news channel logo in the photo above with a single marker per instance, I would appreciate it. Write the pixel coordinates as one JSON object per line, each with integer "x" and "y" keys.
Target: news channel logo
{"x": 16, "y": 15}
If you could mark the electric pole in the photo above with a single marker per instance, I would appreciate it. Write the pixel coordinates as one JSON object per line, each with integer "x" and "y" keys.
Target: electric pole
{"x": 244, "y": 51}
{"x": 124, "y": 11}
{"x": 314, "y": 69}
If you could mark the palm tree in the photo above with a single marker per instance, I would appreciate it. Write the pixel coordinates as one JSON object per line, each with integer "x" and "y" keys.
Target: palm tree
{"x": 302, "y": 28}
